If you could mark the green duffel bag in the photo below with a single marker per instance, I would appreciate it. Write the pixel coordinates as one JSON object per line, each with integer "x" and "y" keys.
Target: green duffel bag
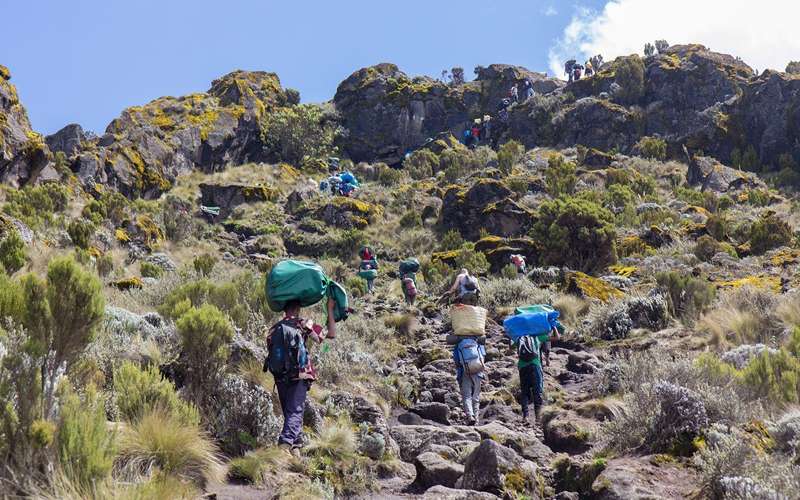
{"x": 409, "y": 266}
{"x": 295, "y": 280}
{"x": 368, "y": 274}
{"x": 339, "y": 295}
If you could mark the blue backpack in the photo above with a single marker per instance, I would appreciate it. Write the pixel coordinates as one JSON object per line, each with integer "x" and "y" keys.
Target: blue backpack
{"x": 470, "y": 354}
{"x": 287, "y": 352}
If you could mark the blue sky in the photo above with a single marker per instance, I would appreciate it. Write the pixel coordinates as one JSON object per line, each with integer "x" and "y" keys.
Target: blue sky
{"x": 85, "y": 60}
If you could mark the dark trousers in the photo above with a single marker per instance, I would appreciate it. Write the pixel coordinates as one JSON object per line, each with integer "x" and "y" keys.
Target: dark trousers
{"x": 531, "y": 384}
{"x": 292, "y": 394}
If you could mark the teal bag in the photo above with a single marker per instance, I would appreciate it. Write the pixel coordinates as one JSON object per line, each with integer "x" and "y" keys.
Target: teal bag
{"x": 368, "y": 274}
{"x": 342, "y": 307}
{"x": 305, "y": 282}
{"x": 295, "y": 280}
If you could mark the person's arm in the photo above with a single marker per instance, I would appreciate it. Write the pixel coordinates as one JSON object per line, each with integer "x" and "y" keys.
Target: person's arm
{"x": 455, "y": 284}
{"x": 331, "y": 319}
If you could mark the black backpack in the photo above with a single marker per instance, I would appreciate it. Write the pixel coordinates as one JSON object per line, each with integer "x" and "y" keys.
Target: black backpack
{"x": 287, "y": 352}
{"x": 527, "y": 349}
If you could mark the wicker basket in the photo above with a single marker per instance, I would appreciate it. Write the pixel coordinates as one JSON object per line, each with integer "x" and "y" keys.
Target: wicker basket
{"x": 468, "y": 321}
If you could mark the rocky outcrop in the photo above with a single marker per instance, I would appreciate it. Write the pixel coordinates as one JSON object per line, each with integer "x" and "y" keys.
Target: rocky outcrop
{"x": 710, "y": 175}
{"x": 495, "y": 468}
{"x": 229, "y": 196}
{"x": 433, "y": 470}
{"x": 23, "y": 152}
{"x": 645, "y": 477}
{"x": 69, "y": 140}
{"x": 146, "y": 147}
{"x": 487, "y": 204}
{"x": 498, "y": 250}
{"x": 387, "y": 113}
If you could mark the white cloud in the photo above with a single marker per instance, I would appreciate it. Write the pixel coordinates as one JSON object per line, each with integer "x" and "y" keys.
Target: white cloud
{"x": 549, "y": 11}
{"x": 762, "y": 33}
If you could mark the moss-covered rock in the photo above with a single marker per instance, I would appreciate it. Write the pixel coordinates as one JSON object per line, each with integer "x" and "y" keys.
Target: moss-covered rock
{"x": 486, "y": 204}
{"x": 586, "y": 286}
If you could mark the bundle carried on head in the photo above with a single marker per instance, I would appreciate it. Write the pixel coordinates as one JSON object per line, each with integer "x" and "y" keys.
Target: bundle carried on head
{"x": 468, "y": 321}
{"x": 536, "y": 320}
{"x": 306, "y": 283}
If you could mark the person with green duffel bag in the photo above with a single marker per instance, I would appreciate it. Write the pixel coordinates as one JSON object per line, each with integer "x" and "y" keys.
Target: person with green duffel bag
{"x": 368, "y": 269}
{"x": 305, "y": 283}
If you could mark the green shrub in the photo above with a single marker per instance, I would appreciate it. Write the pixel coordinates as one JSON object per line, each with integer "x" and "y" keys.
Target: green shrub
{"x": 12, "y": 252}
{"x": 150, "y": 270}
{"x": 141, "y": 391}
{"x": 775, "y": 376}
{"x": 36, "y": 205}
{"x": 705, "y": 199}
{"x": 104, "y": 265}
{"x": 355, "y": 286}
{"x": 509, "y": 271}
{"x": 421, "y": 164}
{"x": 205, "y": 333}
{"x": 509, "y": 155}
{"x": 689, "y": 296}
{"x": 718, "y": 226}
{"x": 389, "y": 176}
{"x": 575, "y": 233}
{"x": 300, "y": 134}
{"x": 560, "y": 176}
{"x": 411, "y": 219}
{"x": 654, "y": 148}
{"x": 81, "y": 232}
{"x": 758, "y": 197}
{"x": 768, "y": 232}
{"x": 629, "y": 73}
{"x": 451, "y": 240}
{"x": 469, "y": 258}
{"x": 619, "y": 196}
{"x": 707, "y": 247}
{"x": 237, "y": 298}
{"x": 204, "y": 264}
{"x": 84, "y": 441}
{"x": 458, "y": 162}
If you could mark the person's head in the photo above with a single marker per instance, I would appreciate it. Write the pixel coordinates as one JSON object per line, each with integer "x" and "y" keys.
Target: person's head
{"x": 292, "y": 308}
{"x": 464, "y": 272}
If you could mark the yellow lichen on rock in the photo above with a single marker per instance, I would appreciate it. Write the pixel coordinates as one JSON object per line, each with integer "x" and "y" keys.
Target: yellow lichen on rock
{"x": 121, "y": 235}
{"x": 620, "y": 270}
{"x": 767, "y": 282}
{"x": 586, "y": 286}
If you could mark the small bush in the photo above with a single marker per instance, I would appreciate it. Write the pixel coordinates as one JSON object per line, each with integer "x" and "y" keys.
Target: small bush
{"x": 629, "y": 73}
{"x": 355, "y": 286}
{"x": 769, "y": 232}
{"x": 575, "y": 233}
{"x": 451, "y": 240}
{"x": 688, "y": 296}
{"x": 204, "y": 264}
{"x": 786, "y": 433}
{"x": 610, "y": 321}
{"x": 37, "y": 205}
{"x": 243, "y": 416}
{"x": 653, "y": 148}
{"x": 503, "y": 293}
{"x": 141, "y": 391}
{"x": 560, "y": 176}
{"x": 411, "y": 219}
{"x": 509, "y": 155}
{"x": 421, "y": 164}
{"x": 12, "y": 252}
{"x": 388, "y": 176}
{"x": 255, "y": 465}
{"x": 707, "y": 247}
{"x": 84, "y": 441}
{"x": 775, "y": 376}
{"x": 104, "y": 265}
{"x": 81, "y": 232}
{"x": 150, "y": 270}
{"x": 205, "y": 333}
{"x": 300, "y": 134}
{"x": 160, "y": 442}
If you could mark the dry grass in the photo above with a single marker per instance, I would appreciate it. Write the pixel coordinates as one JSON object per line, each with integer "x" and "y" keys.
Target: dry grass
{"x": 337, "y": 441}
{"x": 745, "y": 315}
{"x": 788, "y": 310}
{"x": 160, "y": 443}
{"x": 572, "y": 309}
{"x": 256, "y": 465}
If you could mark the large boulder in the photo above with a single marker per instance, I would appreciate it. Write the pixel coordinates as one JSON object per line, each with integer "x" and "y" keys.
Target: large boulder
{"x": 416, "y": 439}
{"x": 23, "y": 152}
{"x": 498, "y": 469}
{"x": 68, "y": 140}
{"x": 229, "y": 196}
{"x": 486, "y": 204}
{"x": 634, "y": 478}
{"x": 445, "y": 493}
{"x": 711, "y": 175}
{"x": 434, "y": 470}
{"x": 499, "y": 250}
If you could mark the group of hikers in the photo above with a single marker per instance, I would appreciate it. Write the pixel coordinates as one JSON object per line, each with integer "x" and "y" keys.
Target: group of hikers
{"x": 575, "y": 71}
{"x": 339, "y": 183}
{"x": 292, "y": 285}
{"x": 481, "y": 128}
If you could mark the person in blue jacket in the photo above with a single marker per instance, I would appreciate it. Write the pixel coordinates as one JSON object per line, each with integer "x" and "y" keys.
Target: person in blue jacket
{"x": 469, "y": 384}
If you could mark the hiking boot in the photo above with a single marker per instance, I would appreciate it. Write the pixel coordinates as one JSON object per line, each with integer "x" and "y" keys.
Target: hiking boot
{"x": 286, "y": 448}
{"x": 525, "y": 420}
{"x": 471, "y": 420}
{"x": 537, "y": 412}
